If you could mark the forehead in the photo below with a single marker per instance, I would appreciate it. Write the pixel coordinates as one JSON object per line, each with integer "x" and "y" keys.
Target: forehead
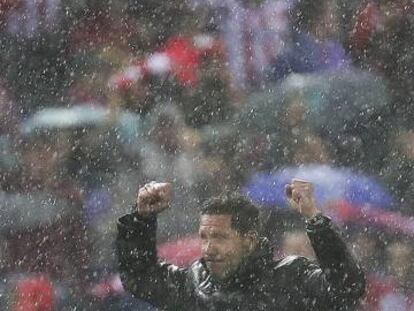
{"x": 215, "y": 221}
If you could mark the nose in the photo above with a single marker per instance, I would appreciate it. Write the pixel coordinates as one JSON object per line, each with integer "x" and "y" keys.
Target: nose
{"x": 207, "y": 248}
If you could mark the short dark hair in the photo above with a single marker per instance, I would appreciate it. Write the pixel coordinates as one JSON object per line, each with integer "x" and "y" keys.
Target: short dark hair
{"x": 244, "y": 214}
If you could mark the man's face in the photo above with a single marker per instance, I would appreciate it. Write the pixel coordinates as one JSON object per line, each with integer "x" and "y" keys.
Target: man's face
{"x": 223, "y": 248}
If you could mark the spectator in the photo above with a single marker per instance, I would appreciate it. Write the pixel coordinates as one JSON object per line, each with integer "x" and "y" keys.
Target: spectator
{"x": 254, "y": 34}
{"x": 313, "y": 45}
{"x": 401, "y": 297}
{"x": 297, "y": 243}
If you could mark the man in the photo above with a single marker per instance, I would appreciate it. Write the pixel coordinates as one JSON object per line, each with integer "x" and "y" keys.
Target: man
{"x": 237, "y": 270}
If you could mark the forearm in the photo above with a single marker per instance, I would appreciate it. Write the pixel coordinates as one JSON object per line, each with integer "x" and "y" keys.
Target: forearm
{"x": 141, "y": 273}
{"x": 136, "y": 242}
{"x": 338, "y": 265}
{"x": 136, "y": 250}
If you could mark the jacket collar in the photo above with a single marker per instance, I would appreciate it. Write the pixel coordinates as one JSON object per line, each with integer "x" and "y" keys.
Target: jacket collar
{"x": 249, "y": 269}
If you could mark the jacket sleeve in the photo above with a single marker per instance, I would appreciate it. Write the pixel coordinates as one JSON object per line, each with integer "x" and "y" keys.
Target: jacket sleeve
{"x": 142, "y": 274}
{"x": 337, "y": 282}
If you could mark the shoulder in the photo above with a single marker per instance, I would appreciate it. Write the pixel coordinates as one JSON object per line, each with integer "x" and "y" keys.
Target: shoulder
{"x": 293, "y": 271}
{"x": 291, "y": 261}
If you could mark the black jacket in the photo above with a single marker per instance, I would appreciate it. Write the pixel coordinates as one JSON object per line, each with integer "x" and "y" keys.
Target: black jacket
{"x": 261, "y": 283}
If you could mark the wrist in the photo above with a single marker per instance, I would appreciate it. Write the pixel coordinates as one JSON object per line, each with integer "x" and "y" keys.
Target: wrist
{"x": 140, "y": 214}
{"x": 312, "y": 214}
{"x": 317, "y": 221}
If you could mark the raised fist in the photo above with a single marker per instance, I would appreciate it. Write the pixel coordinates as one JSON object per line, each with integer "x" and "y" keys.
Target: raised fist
{"x": 153, "y": 198}
{"x": 301, "y": 197}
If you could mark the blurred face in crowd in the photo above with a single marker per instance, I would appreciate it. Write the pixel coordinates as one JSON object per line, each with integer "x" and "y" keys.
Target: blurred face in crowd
{"x": 42, "y": 160}
{"x": 400, "y": 257}
{"x": 405, "y": 143}
{"x": 297, "y": 243}
{"x": 365, "y": 248}
{"x": 223, "y": 247}
{"x": 310, "y": 150}
{"x": 167, "y": 131}
{"x": 295, "y": 112}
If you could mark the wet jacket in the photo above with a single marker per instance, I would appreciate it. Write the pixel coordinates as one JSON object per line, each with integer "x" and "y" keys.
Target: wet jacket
{"x": 261, "y": 283}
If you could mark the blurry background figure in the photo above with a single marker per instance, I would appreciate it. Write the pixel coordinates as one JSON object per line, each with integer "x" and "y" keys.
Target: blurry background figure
{"x": 42, "y": 216}
{"x": 29, "y": 17}
{"x": 9, "y": 125}
{"x": 34, "y": 293}
{"x": 369, "y": 246}
{"x": 401, "y": 268}
{"x": 401, "y": 265}
{"x": 297, "y": 243}
{"x": 366, "y": 248}
{"x": 171, "y": 152}
{"x": 313, "y": 43}
{"x": 398, "y": 172}
{"x": 33, "y": 35}
{"x": 254, "y": 34}
{"x": 9, "y": 114}
{"x": 382, "y": 40}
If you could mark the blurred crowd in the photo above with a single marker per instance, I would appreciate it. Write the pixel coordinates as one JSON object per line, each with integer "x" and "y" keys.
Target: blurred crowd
{"x": 98, "y": 97}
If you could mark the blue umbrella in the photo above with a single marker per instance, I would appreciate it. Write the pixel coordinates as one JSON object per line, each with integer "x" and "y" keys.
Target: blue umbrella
{"x": 331, "y": 184}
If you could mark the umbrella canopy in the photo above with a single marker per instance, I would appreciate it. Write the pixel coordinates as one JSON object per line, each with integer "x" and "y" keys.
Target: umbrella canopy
{"x": 332, "y": 101}
{"x": 129, "y": 125}
{"x": 66, "y": 118}
{"x": 262, "y": 111}
{"x": 331, "y": 184}
{"x": 126, "y": 128}
{"x": 336, "y": 101}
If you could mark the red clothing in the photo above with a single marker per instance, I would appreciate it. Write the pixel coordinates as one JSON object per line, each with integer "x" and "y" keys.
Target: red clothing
{"x": 366, "y": 24}
{"x": 180, "y": 57}
{"x": 385, "y": 294}
{"x": 34, "y": 294}
{"x": 376, "y": 288}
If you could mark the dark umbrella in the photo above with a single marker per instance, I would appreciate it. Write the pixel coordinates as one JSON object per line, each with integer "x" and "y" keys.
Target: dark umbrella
{"x": 333, "y": 102}
{"x": 262, "y": 111}
{"x": 345, "y": 109}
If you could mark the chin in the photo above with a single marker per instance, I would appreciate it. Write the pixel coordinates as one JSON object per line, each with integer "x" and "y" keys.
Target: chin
{"x": 216, "y": 273}
{"x": 220, "y": 275}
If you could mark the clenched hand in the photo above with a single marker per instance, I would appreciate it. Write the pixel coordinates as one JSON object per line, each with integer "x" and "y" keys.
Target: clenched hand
{"x": 301, "y": 197}
{"x": 153, "y": 198}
